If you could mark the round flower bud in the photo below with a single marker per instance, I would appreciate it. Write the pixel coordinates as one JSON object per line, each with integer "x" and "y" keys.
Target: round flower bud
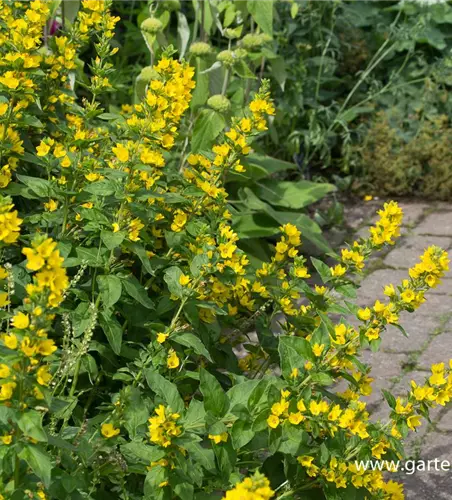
{"x": 219, "y": 103}
{"x": 172, "y": 5}
{"x": 231, "y": 33}
{"x": 200, "y": 49}
{"x": 151, "y": 25}
{"x": 147, "y": 74}
{"x": 240, "y": 53}
{"x": 251, "y": 41}
{"x": 226, "y": 57}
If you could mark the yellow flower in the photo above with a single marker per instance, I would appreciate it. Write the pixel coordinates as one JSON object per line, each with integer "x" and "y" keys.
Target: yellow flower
{"x": 317, "y": 349}
{"x": 364, "y": 314}
{"x": 66, "y": 162}
{"x": 218, "y": 438}
{"x": 51, "y": 205}
{"x": 4, "y": 371}
{"x": 173, "y": 361}
{"x": 43, "y": 376}
{"x": 413, "y": 422}
{"x": 3, "y": 108}
{"x": 184, "y": 280}
{"x": 296, "y": 418}
{"x": 7, "y": 390}
{"x": 6, "y": 439}
{"x": 46, "y": 347}
{"x": 4, "y": 299}
{"x": 121, "y": 152}
{"x": 115, "y": 227}
{"x": 161, "y": 337}
{"x": 9, "y": 80}
{"x": 21, "y": 321}
{"x": 109, "y": 431}
{"x": 10, "y": 341}
{"x": 93, "y": 177}
{"x": 408, "y": 295}
{"x": 273, "y": 421}
{"x": 43, "y": 149}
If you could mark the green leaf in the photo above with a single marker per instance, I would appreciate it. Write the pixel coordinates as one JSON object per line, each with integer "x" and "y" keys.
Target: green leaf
{"x": 137, "y": 291}
{"x": 183, "y": 33}
{"x": 92, "y": 256}
{"x": 142, "y": 452}
{"x": 294, "y": 195}
{"x": 190, "y": 340}
{"x": 112, "y": 240}
{"x": 262, "y": 13}
{"x": 172, "y": 277}
{"x": 203, "y": 456}
{"x": 41, "y": 187}
{"x": 322, "y": 269}
{"x": 241, "y": 433}
{"x": 38, "y": 460}
{"x": 215, "y": 399}
{"x": 165, "y": 389}
{"x": 70, "y": 9}
{"x": 110, "y": 289}
{"x": 112, "y": 330}
{"x": 208, "y": 127}
{"x": 100, "y": 188}
{"x": 30, "y": 423}
{"x": 293, "y": 353}
{"x": 255, "y": 226}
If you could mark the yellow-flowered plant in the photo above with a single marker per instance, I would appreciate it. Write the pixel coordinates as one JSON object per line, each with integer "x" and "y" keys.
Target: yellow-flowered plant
{"x": 128, "y": 361}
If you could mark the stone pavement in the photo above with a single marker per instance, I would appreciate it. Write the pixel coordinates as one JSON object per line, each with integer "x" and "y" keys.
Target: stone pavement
{"x": 402, "y": 359}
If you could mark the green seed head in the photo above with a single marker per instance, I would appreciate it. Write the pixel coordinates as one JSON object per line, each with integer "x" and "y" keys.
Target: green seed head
{"x": 219, "y": 103}
{"x": 152, "y": 25}
{"x": 200, "y": 49}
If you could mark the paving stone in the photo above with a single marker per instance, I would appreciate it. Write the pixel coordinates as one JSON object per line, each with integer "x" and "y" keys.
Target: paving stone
{"x": 412, "y": 212}
{"x": 385, "y": 368}
{"x": 439, "y": 350}
{"x": 418, "y": 328}
{"x": 445, "y": 288}
{"x": 445, "y": 420}
{"x": 407, "y": 253}
{"x": 431, "y": 484}
{"x": 438, "y": 223}
{"x": 373, "y": 285}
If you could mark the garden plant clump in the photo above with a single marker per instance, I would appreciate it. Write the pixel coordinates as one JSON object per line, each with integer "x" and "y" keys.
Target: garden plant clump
{"x": 125, "y": 298}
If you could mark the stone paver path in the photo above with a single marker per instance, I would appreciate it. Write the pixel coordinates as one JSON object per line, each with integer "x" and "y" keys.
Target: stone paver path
{"x": 402, "y": 359}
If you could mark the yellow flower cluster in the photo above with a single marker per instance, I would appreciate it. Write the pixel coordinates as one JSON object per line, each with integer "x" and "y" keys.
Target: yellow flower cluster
{"x": 163, "y": 427}
{"x": 385, "y": 231}
{"x": 256, "y": 487}
{"x": 43, "y": 256}
{"x": 343, "y": 474}
{"x": 9, "y": 221}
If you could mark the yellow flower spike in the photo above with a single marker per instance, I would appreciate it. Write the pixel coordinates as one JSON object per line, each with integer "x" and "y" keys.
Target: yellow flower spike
{"x": 108, "y": 430}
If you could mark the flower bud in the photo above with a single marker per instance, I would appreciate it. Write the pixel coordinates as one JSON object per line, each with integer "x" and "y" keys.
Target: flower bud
{"x": 219, "y": 103}
{"x": 151, "y": 25}
{"x": 200, "y": 49}
{"x": 226, "y": 57}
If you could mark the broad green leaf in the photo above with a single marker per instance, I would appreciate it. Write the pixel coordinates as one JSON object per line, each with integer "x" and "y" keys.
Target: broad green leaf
{"x": 183, "y": 33}
{"x": 165, "y": 389}
{"x": 69, "y": 9}
{"x": 30, "y": 423}
{"x": 262, "y": 13}
{"x": 208, "y": 127}
{"x": 294, "y": 195}
{"x": 255, "y": 226}
{"x": 112, "y": 330}
{"x": 172, "y": 277}
{"x": 41, "y": 187}
{"x": 100, "y": 188}
{"x": 112, "y": 240}
{"x": 137, "y": 291}
{"x": 190, "y": 340}
{"x": 293, "y": 353}
{"x": 322, "y": 269}
{"x": 241, "y": 433}
{"x": 142, "y": 452}
{"x": 215, "y": 399}
{"x": 110, "y": 289}
{"x": 38, "y": 460}
{"x": 203, "y": 456}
